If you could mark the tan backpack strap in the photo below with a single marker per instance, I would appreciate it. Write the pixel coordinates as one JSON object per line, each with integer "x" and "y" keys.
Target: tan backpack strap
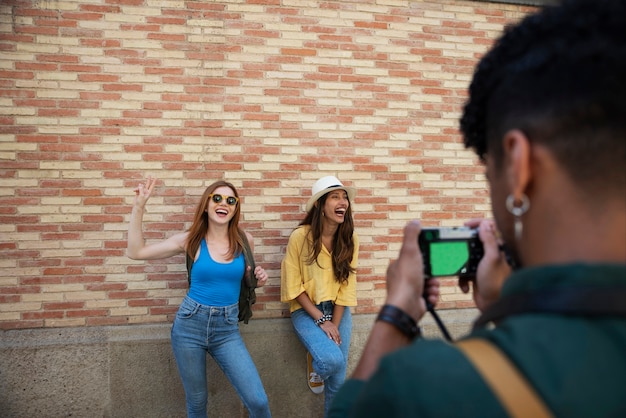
{"x": 515, "y": 393}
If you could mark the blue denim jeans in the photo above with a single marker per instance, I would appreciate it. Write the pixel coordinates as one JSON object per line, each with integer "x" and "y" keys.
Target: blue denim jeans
{"x": 200, "y": 329}
{"x": 330, "y": 360}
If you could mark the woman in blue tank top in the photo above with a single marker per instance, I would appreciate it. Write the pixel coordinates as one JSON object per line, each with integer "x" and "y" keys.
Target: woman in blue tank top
{"x": 207, "y": 320}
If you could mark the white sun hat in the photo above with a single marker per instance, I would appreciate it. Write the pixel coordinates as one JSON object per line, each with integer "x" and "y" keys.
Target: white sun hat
{"x": 326, "y": 185}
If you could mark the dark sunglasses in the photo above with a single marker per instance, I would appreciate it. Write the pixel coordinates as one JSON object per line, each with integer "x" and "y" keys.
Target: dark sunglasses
{"x": 231, "y": 200}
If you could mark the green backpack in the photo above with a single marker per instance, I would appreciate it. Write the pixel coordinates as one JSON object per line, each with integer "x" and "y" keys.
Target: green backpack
{"x": 247, "y": 295}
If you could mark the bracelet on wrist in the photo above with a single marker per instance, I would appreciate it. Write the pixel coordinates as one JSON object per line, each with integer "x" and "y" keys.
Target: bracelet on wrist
{"x": 400, "y": 319}
{"x": 323, "y": 319}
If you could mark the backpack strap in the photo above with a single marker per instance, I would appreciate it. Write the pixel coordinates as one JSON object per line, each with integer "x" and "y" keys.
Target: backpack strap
{"x": 247, "y": 296}
{"x": 189, "y": 263}
{"x": 249, "y": 278}
{"x": 515, "y": 393}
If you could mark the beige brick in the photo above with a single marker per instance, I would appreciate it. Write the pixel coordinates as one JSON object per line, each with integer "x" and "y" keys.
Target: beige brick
{"x": 18, "y": 183}
{"x": 143, "y": 319}
{"x": 19, "y": 307}
{"x": 58, "y": 93}
{"x": 105, "y": 304}
{"x": 84, "y": 296}
{"x": 460, "y": 192}
{"x": 12, "y": 111}
{"x": 59, "y": 130}
{"x": 8, "y": 281}
{"x": 71, "y": 322}
{"x": 456, "y": 297}
{"x": 63, "y": 76}
{"x": 24, "y": 47}
{"x": 57, "y": 5}
{"x": 128, "y": 311}
{"x": 51, "y": 294}
{"x": 9, "y": 316}
{"x": 147, "y": 286}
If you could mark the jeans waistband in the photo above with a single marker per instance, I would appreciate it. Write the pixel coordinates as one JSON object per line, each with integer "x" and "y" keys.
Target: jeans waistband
{"x": 199, "y": 308}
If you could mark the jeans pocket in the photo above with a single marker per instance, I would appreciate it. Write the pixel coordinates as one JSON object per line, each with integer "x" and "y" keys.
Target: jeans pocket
{"x": 186, "y": 310}
{"x": 232, "y": 315}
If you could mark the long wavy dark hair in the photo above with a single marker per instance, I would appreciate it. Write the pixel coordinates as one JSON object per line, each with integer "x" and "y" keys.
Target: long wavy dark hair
{"x": 343, "y": 244}
{"x": 200, "y": 225}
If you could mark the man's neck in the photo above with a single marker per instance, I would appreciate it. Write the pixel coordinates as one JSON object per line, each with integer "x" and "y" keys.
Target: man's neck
{"x": 582, "y": 236}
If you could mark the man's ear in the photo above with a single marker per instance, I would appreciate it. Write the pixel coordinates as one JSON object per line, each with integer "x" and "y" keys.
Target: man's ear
{"x": 517, "y": 154}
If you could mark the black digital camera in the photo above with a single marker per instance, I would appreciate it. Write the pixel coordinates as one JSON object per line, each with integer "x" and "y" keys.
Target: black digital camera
{"x": 450, "y": 251}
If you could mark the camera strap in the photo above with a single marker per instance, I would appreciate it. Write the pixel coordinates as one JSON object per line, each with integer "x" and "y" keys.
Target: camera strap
{"x": 575, "y": 300}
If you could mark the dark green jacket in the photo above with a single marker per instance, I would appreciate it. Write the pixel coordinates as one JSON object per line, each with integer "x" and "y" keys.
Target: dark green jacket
{"x": 576, "y": 363}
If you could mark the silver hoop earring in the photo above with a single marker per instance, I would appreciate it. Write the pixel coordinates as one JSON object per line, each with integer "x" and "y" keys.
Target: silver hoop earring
{"x": 517, "y": 212}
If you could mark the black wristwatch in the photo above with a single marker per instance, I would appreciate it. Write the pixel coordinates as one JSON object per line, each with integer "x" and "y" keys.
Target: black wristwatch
{"x": 400, "y": 319}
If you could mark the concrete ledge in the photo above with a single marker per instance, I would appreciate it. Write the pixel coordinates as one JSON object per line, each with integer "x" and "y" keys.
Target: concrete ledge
{"x": 129, "y": 371}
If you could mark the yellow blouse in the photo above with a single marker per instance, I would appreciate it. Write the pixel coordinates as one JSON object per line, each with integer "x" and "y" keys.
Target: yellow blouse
{"x": 317, "y": 279}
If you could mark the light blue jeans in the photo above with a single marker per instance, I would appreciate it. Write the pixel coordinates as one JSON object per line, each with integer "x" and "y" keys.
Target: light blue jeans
{"x": 200, "y": 329}
{"x": 330, "y": 360}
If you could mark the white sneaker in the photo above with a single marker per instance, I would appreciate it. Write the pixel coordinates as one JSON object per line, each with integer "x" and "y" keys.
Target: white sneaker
{"x": 316, "y": 384}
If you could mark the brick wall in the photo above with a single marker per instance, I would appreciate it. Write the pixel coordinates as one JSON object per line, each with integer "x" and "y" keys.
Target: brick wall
{"x": 268, "y": 94}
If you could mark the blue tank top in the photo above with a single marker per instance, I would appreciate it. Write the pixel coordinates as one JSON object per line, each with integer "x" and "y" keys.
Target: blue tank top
{"x": 213, "y": 283}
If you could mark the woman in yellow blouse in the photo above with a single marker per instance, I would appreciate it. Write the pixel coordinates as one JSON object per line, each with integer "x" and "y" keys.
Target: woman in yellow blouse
{"x": 318, "y": 280}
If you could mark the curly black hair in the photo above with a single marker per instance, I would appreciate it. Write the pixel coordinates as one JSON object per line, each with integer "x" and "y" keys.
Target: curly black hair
{"x": 559, "y": 75}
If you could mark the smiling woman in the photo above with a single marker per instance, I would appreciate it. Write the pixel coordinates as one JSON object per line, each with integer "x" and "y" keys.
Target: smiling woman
{"x": 318, "y": 280}
{"x": 207, "y": 320}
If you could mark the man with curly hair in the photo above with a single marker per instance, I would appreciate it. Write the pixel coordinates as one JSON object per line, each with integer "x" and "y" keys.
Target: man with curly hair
{"x": 547, "y": 115}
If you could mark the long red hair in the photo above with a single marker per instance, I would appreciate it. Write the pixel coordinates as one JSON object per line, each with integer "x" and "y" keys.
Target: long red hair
{"x": 200, "y": 225}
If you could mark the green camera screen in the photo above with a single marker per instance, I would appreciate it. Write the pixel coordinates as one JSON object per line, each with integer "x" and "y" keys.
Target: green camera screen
{"x": 447, "y": 258}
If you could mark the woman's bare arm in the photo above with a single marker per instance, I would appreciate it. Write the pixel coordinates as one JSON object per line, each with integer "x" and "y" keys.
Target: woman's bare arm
{"x": 136, "y": 248}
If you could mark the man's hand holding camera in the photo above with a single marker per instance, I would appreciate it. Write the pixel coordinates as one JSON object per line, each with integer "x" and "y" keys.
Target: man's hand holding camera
{"x": 405, "y": 277}
{"x": 493, "y": 268}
